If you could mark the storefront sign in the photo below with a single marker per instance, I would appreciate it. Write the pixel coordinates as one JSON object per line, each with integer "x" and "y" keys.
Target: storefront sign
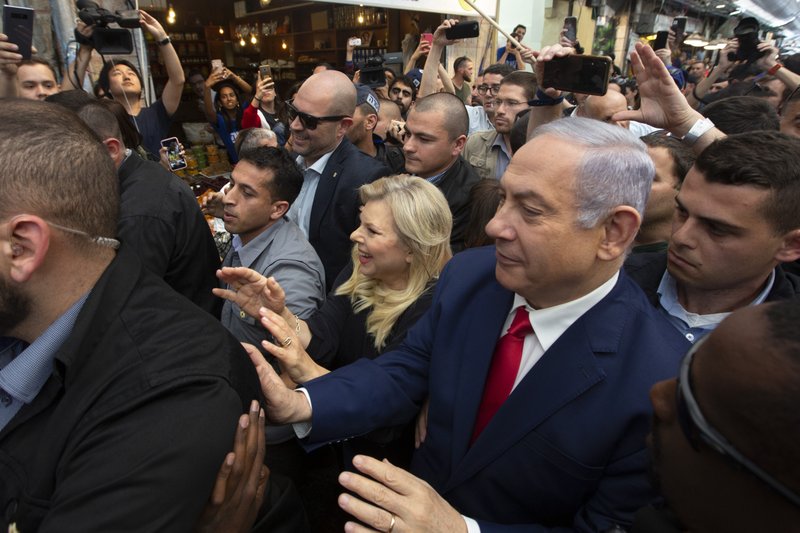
{"x": 451, "y": 7}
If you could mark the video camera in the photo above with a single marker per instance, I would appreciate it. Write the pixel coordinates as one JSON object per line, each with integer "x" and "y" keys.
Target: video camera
{"x": 746, "y": 32}
{"x": 104, "y": 39}
{"x": 372, "y": 75}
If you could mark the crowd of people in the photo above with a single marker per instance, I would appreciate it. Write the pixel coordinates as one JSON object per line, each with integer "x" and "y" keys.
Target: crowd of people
{"x": 465, "y": 303}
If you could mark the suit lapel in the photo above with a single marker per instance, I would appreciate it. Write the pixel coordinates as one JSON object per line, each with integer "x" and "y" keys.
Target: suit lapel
{"x": 325, "y": 191}
{"x": 473, "y": 368}
{"x": 565, "y": 371}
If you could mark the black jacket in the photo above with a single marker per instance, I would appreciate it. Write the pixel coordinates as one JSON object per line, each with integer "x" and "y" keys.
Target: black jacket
{"x": 160, "y": 219}
{"x": 456, "y": 185}
{"x": 334, "y": 213}
{"x": 647, "y": 269}
{"x": 130, "y": 429}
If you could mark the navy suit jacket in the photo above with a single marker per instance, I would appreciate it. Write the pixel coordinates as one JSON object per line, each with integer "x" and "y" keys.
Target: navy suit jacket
{"x": 566, "y": 450}
{"x": 334, "y": 213}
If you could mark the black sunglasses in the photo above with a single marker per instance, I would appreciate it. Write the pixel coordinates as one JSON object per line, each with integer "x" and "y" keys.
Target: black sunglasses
{"x": 696, "y": 429}
{"x": 310, "y": 122}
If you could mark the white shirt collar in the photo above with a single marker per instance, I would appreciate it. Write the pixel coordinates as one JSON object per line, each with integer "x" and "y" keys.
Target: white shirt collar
{"x": 319, "y": 164}
{"x": 550, "y": 323}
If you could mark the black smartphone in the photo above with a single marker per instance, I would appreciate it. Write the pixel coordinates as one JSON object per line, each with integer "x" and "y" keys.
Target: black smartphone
{"x": 679, "y": 27}
{"x": 18, "y": 27}
{"x": 176, "y": 159}
{"x": 571, "y": 25}
{"x": 578, "y": 74}
{"x": 463, "y": 30}
{"x": 660, "y": 40}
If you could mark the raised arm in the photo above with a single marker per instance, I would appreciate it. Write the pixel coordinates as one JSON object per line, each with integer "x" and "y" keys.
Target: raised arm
{"x": 76, "y": 71}
{"x": 235, "y": 78}
{"x": 431, "y": 70}
{"x": 208, "y": 102}
{"x": 663, "y": 105}
{"x": 171, "y": 96}
{"x": 447, "y": 83}
{"x": 769, "y": 62}
{"x": 9, "y": 59}
{"x": 422, "y": 49}
{"x": 549, "y": 99}
{"x": 723, "y": 67}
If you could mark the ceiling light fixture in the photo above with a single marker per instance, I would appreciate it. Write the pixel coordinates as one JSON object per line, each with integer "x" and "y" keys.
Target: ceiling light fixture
{"x": 695, "y": 40}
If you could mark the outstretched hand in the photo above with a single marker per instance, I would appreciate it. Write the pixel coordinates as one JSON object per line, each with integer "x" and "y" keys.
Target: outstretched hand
{"x": 250, "y": 290}
{"x": 394, "y": 500}
{"x": 662, "y": 103}
{"x": 151, "y": 25}
{"x": 284, "y": 405}
{"x": 241, "y": 482}
{"x": 288, "y": 349}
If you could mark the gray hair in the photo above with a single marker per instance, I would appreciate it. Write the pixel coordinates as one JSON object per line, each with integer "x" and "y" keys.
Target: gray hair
{"x": 255, "y": 137}
{"x": 615, "y": 169}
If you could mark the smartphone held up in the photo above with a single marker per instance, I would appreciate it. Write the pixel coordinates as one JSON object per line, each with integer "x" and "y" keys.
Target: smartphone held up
{"x": 578, "y": 73}
{"x": 18, "y": 27}
{"x": 174, "y": 153}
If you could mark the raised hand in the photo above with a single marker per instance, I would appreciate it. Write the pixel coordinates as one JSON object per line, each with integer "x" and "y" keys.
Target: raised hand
{"x": 239, "y": 488}
{"x": 288, "y": 349}
{"x": 250, "y": 290}
{"x": 284, "y": 405}
{"x": 394, "y": 500}
{"x": 151, "y": 25}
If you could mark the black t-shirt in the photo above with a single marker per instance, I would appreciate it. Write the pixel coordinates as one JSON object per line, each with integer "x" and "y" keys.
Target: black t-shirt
{"x": 153, "y": 124}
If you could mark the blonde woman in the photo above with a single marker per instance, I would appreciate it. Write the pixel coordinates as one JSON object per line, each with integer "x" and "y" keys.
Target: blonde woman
{"x": 398, "y": 251}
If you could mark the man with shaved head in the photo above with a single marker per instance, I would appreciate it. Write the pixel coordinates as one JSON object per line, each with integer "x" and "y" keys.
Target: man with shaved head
{"x": 437, "y": 128}
{"x": 602, "y": 108}
{"x": 333, "y": 169}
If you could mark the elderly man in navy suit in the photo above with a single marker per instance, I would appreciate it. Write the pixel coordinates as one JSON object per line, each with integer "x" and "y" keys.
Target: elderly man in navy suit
{"x": 537, "y": 356}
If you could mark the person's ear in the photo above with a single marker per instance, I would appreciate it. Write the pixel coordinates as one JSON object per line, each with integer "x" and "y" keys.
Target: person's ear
{"x": 345, "y": 124}
{"x": 790, "y": 249}
{"x": 619, "y": 231}
{"x": 29, "y": 240}
{"x": 279, "y": 208}
{"x": 115, "y": 148}
{"x": 458, "y": 144}
{"x": 370, "y": 122}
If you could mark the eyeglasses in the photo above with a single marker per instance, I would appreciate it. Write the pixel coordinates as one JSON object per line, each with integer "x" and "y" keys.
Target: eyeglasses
{"x": 397, "y": 90}
{"x": 483, "y": 89}
{"x": 697, "y": 430}
{"x": 510, "y": 103}
{"x": 310, "y": 122}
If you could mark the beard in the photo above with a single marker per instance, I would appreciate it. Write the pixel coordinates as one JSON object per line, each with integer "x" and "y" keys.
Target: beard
{"x": 467, "y": 77}
{"x": 15, "y": 306}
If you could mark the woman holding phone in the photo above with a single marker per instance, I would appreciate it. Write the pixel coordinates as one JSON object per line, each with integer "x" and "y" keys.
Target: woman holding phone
{"x": 266, "y": 109}
{"x": 224, "y": 112}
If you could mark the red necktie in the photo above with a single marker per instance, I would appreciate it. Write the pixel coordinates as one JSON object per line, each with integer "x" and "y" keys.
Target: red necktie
{"x": 503, "y": 371}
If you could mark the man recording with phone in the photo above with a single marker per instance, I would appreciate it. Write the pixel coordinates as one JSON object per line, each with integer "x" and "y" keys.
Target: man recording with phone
{"x": 510, "y": 54}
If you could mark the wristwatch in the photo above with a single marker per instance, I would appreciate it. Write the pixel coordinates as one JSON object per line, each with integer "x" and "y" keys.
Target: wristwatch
{"x": 697, "y": 130}
{"x": 164, "y": 42}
